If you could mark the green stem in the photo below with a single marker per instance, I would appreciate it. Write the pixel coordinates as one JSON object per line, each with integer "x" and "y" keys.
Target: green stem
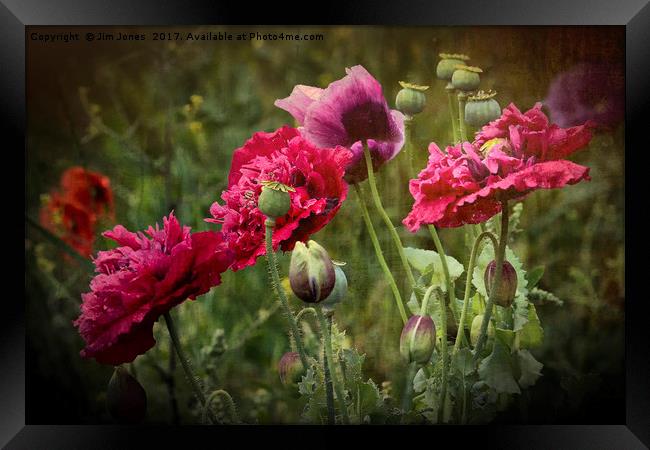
{"x": 382, "y": 212}
{"x": 187, "y": 366}
{"x": 304, "y": 311}
{"x": 380, "y": 255}
{"x": 275, "y": 281}
{"x": 503, "y": 238}
{"x": 445, "y": 269}
{"x": 468, "y": 284}
{"x": 425, "y": 301}
{"x": 325, "y": 324}
{"x": 443, "y": 352}
{"x": 408, "y": 389}
{"x": 462, "y": 100}
{"x": 231, "y": 404}
{"x": 452, "y": 113}
{"x": 329, "y": 389}
{"x": 408, "y": 131}
{"x": 61, "y": 245}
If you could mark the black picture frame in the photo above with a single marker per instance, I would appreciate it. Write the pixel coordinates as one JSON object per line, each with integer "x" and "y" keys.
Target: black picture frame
{"x": 15, "y": 15}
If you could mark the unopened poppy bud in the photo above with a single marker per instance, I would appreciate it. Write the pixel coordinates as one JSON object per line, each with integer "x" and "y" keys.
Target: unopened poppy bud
{"x": 275, "y": 199}
{"x": 418, "y": 339}
{"x": 126, "y": 399}
{"x": 447, "y": 65}
{"x": 475, "y": 331}
{"x": 466, "y": 78}
{"x": 290, "y": 368}
{"x": 411, "y": 99}
{"x": 338, "y": 293}
{"x": 505, "y": 293}
{"x": 482, "y": 108}
{"x": 311, "y": 272}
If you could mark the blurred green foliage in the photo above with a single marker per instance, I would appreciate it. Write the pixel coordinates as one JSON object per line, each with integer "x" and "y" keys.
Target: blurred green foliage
{"x": 161, "y": 119}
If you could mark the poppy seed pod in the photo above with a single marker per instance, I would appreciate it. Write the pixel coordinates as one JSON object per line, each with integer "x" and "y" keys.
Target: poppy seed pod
{"x": 418, "y": 339}
{"x": 410, "y": 99}
{"x": 475, "y": 331}
{"x": 274, "y": 200}
{"x": 338, "y": 293}
{"x": 466, "y": 78}
{"x": 447, "y": 64}
{"x": 290, "y": 368}
{"x": 311, "y": 272}
{"x": 505, "y": 293}
{"x": 482, "y": 108}
{"x": 126, "y": 399}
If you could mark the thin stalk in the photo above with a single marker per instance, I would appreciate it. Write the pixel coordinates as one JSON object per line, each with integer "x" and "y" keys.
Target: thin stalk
{"x": 443, "y": 353}
{"x": 382, "y": 212}
{"x": 452, "y": 113}
{"x": 380, "y": 255}
{"x": 329, "y": 387}
{"x": 445, "y": 269}
{"x": 462, "y": 100}
{"x": 187, "y": 366}
{"x": 284, "y": 303}
{"x": 325, "y": 325}
{"x": 408, "y": 139}
{"x": 468, "y": 284}
{"x": 232, "y": 407}
{"x": 408, "y": 389}
{"x": 503, "y": 238}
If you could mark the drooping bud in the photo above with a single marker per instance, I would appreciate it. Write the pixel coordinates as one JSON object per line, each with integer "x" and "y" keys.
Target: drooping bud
{"x": 447, "y": 64}
{"x": 411, "y": 99}
{"x": 126, "y": 399}
{"x": 338, "y": 293}
{"x": 418, "y": 339}
{"x": 290, "y": 368}
{"x": 506, "y": 291}
{"x": 274, "y": 200}
{"x": 482, "y": 108}
{"x": 311, "y": 272}
{"x": 466, "y": 78}
{"x": 475, "y": 332}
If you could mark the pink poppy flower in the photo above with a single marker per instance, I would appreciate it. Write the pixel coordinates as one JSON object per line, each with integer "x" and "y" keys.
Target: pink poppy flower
{"x": 285, "y": 156}
{"x": 349, "y": 112}
{"x": 511, "y": 157}
{"x": 142, "y": 279}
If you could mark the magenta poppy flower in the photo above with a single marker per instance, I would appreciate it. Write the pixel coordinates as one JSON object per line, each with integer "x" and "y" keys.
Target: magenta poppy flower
{"x": 349, "y": 112}
{"x": 593, "y": 92}
{"x": 142, "y": 279}
{"x": 285, "y": 156}
{"x": 511, "y": 157}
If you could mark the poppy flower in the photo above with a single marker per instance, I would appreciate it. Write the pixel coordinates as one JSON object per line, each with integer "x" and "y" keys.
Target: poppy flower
{"x": 588, "y": 92}
{"x": 315, "y": 174}
{"x": 72, "y": 211}
{"x": 349, "y": 112}
{"x": 143, "y": 278}
{"x": 510, "y": 157}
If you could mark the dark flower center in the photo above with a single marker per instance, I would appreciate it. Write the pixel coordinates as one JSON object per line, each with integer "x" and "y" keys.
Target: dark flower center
{"x": 366, "y": 121}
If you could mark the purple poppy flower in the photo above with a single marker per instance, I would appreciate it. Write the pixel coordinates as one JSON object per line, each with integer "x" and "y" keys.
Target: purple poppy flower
{"x": 588, "y": 92}
{"x": 347, "y": 113}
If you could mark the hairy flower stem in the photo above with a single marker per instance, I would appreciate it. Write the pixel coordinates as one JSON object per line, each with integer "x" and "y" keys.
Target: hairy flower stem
{"x": 408, "y": 389}
{"x": 468, "y": 284}
{"x": 445, "y": 269}
{"x": 326, "y": 331}
{"x": 329, "y": 388}
{"x": 380, "y": 255}
{"x": 232, "y": 407}
{"x": 284, "y": 303}
{"x": 452, "y": 113}
{"x": 445, "y": 358}
{"x": 500, "y": 254}
{"x": 382, "y": 212}
{"x": 462, "y": 100}
{"x": 187, "y": 366}
{"x": 408, "y": 131}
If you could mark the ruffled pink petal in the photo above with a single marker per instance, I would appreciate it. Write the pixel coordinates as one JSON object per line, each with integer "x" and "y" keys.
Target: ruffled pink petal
{"x": 299, "y": 101}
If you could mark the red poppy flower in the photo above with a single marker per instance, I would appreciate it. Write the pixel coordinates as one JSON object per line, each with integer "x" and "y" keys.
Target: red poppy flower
{"x": 285, "y": 156}
{"x": 142, "y": 279}
{"x": 510, "y": 157}
{"x": 90, "y": 190}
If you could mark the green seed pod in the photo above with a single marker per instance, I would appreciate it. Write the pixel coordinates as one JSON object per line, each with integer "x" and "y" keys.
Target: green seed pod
{"x": 126, "y": 399}
{"x": 475, "y": 331}
{"x": 466, "y": 78}
{"x": 447, "y": 65}
{"x": 411, "y": 99}
{"x": 418, "y": 339}
{"x": 505, "y": 293}
{"x": 482, "y": 108}
{"x": 311, "y": 272}
{"x": 274, "y": 203}
{"x": 338, "y": 293}
{"x": 290, "y": 368}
